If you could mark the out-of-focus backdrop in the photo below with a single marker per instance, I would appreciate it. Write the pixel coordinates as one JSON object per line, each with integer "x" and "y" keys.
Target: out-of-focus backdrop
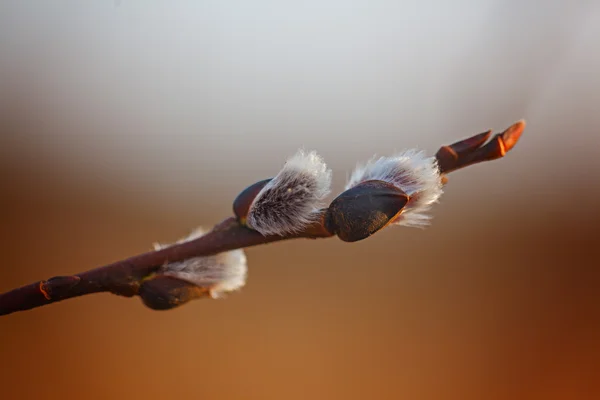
{"x": 129, "y": 122}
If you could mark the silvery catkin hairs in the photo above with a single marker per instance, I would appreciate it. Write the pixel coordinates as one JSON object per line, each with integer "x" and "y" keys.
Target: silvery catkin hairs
{"x": 412, "y": 172}
{"x": 220, "y": 273}
{"x": 290, "y": 201}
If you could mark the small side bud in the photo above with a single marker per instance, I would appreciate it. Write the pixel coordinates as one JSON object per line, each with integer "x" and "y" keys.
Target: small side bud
{"x": 291, "y": 201}
{"x": 54, "y": 287}
{"x": 216, "y": 274}
{"x": 364, "y": 209}
{"x": 414, "y": 174}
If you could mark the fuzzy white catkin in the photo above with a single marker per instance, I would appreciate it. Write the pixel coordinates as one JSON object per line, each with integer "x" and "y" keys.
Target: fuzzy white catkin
{"x": 221, "y": 273}
{"x": 411, "y": 171}
{"x": 291, "y": 200}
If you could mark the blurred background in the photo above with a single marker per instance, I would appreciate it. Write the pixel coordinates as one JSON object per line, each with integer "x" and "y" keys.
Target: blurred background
{"x": 128, "y": 122}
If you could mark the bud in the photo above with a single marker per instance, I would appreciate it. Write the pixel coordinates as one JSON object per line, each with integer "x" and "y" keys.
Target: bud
{"x": 412, "y": 173}
{"x": 161, "y": 292}
{"x": 474, "y": 150}
{"x": 364, "y": 209}
{"x": 289, "y": 202}
{"x": 178, "y": 282}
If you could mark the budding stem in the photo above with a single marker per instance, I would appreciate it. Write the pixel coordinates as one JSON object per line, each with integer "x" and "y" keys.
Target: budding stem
{"x": 124, "y": 277}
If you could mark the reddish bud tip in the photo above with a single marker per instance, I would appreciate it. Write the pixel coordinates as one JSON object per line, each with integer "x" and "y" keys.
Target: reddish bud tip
{"x": 465, "y": 152}
{"x": 511, "y": 136}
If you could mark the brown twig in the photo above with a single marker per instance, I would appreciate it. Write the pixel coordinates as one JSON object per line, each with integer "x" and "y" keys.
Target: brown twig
{"x": 126, "y": 276}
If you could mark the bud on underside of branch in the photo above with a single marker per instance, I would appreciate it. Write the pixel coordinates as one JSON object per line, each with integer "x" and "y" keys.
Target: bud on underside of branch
{"x": 179, "y": 282}
{"x": 162, "y": 292}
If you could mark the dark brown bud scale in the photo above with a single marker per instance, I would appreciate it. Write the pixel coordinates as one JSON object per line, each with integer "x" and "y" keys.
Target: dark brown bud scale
{"x": 364, "y": 209}
{"x": 162, "y": 292}
{"x": 243, "y": 201}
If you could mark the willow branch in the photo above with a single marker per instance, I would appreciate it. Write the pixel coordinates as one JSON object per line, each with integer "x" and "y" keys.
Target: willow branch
{"x": 125, "y": 277}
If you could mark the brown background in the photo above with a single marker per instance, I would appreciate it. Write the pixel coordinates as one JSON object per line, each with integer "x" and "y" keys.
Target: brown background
{"x": 129, "y": 123}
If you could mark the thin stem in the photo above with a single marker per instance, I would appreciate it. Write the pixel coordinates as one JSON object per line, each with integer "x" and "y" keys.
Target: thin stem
{"x": 123, "y": 277}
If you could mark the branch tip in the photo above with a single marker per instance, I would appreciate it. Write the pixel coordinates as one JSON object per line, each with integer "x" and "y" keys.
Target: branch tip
{"x": 473, "y": 150}
{"x": 511, "y": 136}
